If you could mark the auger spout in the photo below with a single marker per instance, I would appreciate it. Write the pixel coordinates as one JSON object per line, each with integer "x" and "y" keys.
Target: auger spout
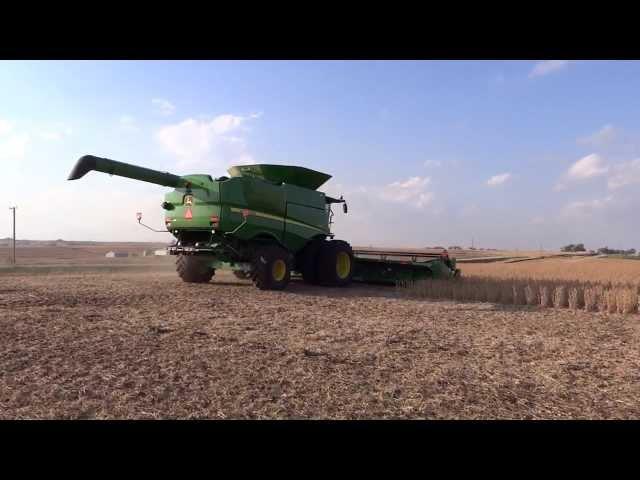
{"x": 89, "y": 162}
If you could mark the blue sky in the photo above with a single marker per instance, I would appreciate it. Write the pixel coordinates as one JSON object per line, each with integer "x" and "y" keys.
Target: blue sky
{"x": 515, "y": 154}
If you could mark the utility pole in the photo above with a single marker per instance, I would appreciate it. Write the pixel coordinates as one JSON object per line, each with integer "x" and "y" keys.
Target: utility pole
{"x": 14, "y": 235}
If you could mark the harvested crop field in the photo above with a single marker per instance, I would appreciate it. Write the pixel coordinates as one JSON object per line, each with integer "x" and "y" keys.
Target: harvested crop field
{"x": 79, "y": 254}
{"x": 146, "y": 345}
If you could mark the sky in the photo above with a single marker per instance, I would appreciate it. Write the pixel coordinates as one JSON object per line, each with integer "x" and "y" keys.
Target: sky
{"x": 501, "y": 154}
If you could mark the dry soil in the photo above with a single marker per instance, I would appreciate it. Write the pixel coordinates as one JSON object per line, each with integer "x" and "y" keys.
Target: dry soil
{"x": 146, "y": 345}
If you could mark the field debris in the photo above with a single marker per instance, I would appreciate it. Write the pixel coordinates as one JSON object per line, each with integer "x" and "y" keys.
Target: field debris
{"x": 309, "y": 352}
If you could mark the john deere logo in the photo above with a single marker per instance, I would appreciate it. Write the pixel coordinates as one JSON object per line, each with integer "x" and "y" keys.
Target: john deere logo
{"x": 188, "y": 200}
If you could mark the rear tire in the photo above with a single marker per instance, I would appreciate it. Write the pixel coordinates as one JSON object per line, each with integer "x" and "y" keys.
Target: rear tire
{"x": 271, "y": 268}
{"x": 335, "y": 263}
{"x": 193, "y": 269}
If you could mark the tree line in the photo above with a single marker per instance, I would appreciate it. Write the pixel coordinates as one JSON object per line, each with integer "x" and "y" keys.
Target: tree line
{"x": 579, "y": 247}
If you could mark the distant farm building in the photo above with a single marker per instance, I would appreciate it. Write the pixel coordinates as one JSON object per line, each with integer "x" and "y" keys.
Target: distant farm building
{"x": 116, "y": 254}
{"x": 153, "y": 253}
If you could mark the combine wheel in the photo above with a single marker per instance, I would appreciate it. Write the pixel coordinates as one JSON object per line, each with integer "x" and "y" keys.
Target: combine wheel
{"x": 307, "y": 262}
{"x": 193, "y": 269}
{"x": 271, "y": 268}
{"x": 335, "y": 263}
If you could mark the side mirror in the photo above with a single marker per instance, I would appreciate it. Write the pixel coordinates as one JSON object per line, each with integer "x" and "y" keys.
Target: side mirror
{"x": 344, "y": 207}
{"x": 139, "y": 216}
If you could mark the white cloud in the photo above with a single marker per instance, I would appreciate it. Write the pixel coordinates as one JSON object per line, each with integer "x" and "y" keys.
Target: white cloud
{"x": 413, "y": 182}
{"x": 163, "y": 107}
{"x": 424, "y": 199}
{"x": 128, "y": 123}
{"x": 52, "y": 136}
{"x": 498, "y": 179}
{"x": 537, "y": 220}
{"x": 411, "y": 191}
{"x": 369, "y": 203}
{"x": 56, "y": 133}
{"x": 602, "y": 137}
{"x": 14, "y": 146}
{"x": 587, "y": 167}
{"x": 547, "y": 67}
{"x": 432, "y": 163}
{"x": 585, "y": 208}
{"x": 627, "y": 173}
{"x": 207, "y": 143}
{"x": 5, "y": 127}
{"x": 403, "y": 206}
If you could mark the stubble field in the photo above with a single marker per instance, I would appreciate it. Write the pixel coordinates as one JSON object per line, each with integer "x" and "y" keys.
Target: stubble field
{"x": 146, "y": 345}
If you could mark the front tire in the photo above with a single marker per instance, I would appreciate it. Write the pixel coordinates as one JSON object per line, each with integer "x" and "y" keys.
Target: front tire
{"x": 271, "y": 268}
{"x": 193, "y": 269}
{"x": 335, "y": 263}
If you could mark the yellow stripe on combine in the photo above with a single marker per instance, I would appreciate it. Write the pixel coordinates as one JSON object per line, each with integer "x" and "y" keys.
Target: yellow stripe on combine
{"x": 276, "y": 217}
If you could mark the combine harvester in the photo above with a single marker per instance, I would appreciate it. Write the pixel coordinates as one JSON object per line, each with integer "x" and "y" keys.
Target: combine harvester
{"x": 265, "y": 222}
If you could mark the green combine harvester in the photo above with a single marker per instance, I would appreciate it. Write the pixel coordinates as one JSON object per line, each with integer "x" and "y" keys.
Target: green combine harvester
{"x": 266, "y": 222}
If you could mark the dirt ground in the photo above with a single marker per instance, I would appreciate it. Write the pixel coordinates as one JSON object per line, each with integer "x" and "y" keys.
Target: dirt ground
{"x": 146, "y": 345}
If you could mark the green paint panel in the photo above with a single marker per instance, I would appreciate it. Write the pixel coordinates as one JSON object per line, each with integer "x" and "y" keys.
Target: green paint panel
{"x": 297, "y": 235}
{"x": 300, "y": 196}
{"x": 300, "y": 176}
{"x": 307, "y": 217}
{"x": 389, "y": 271}
{"x": 262, "y": 196}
